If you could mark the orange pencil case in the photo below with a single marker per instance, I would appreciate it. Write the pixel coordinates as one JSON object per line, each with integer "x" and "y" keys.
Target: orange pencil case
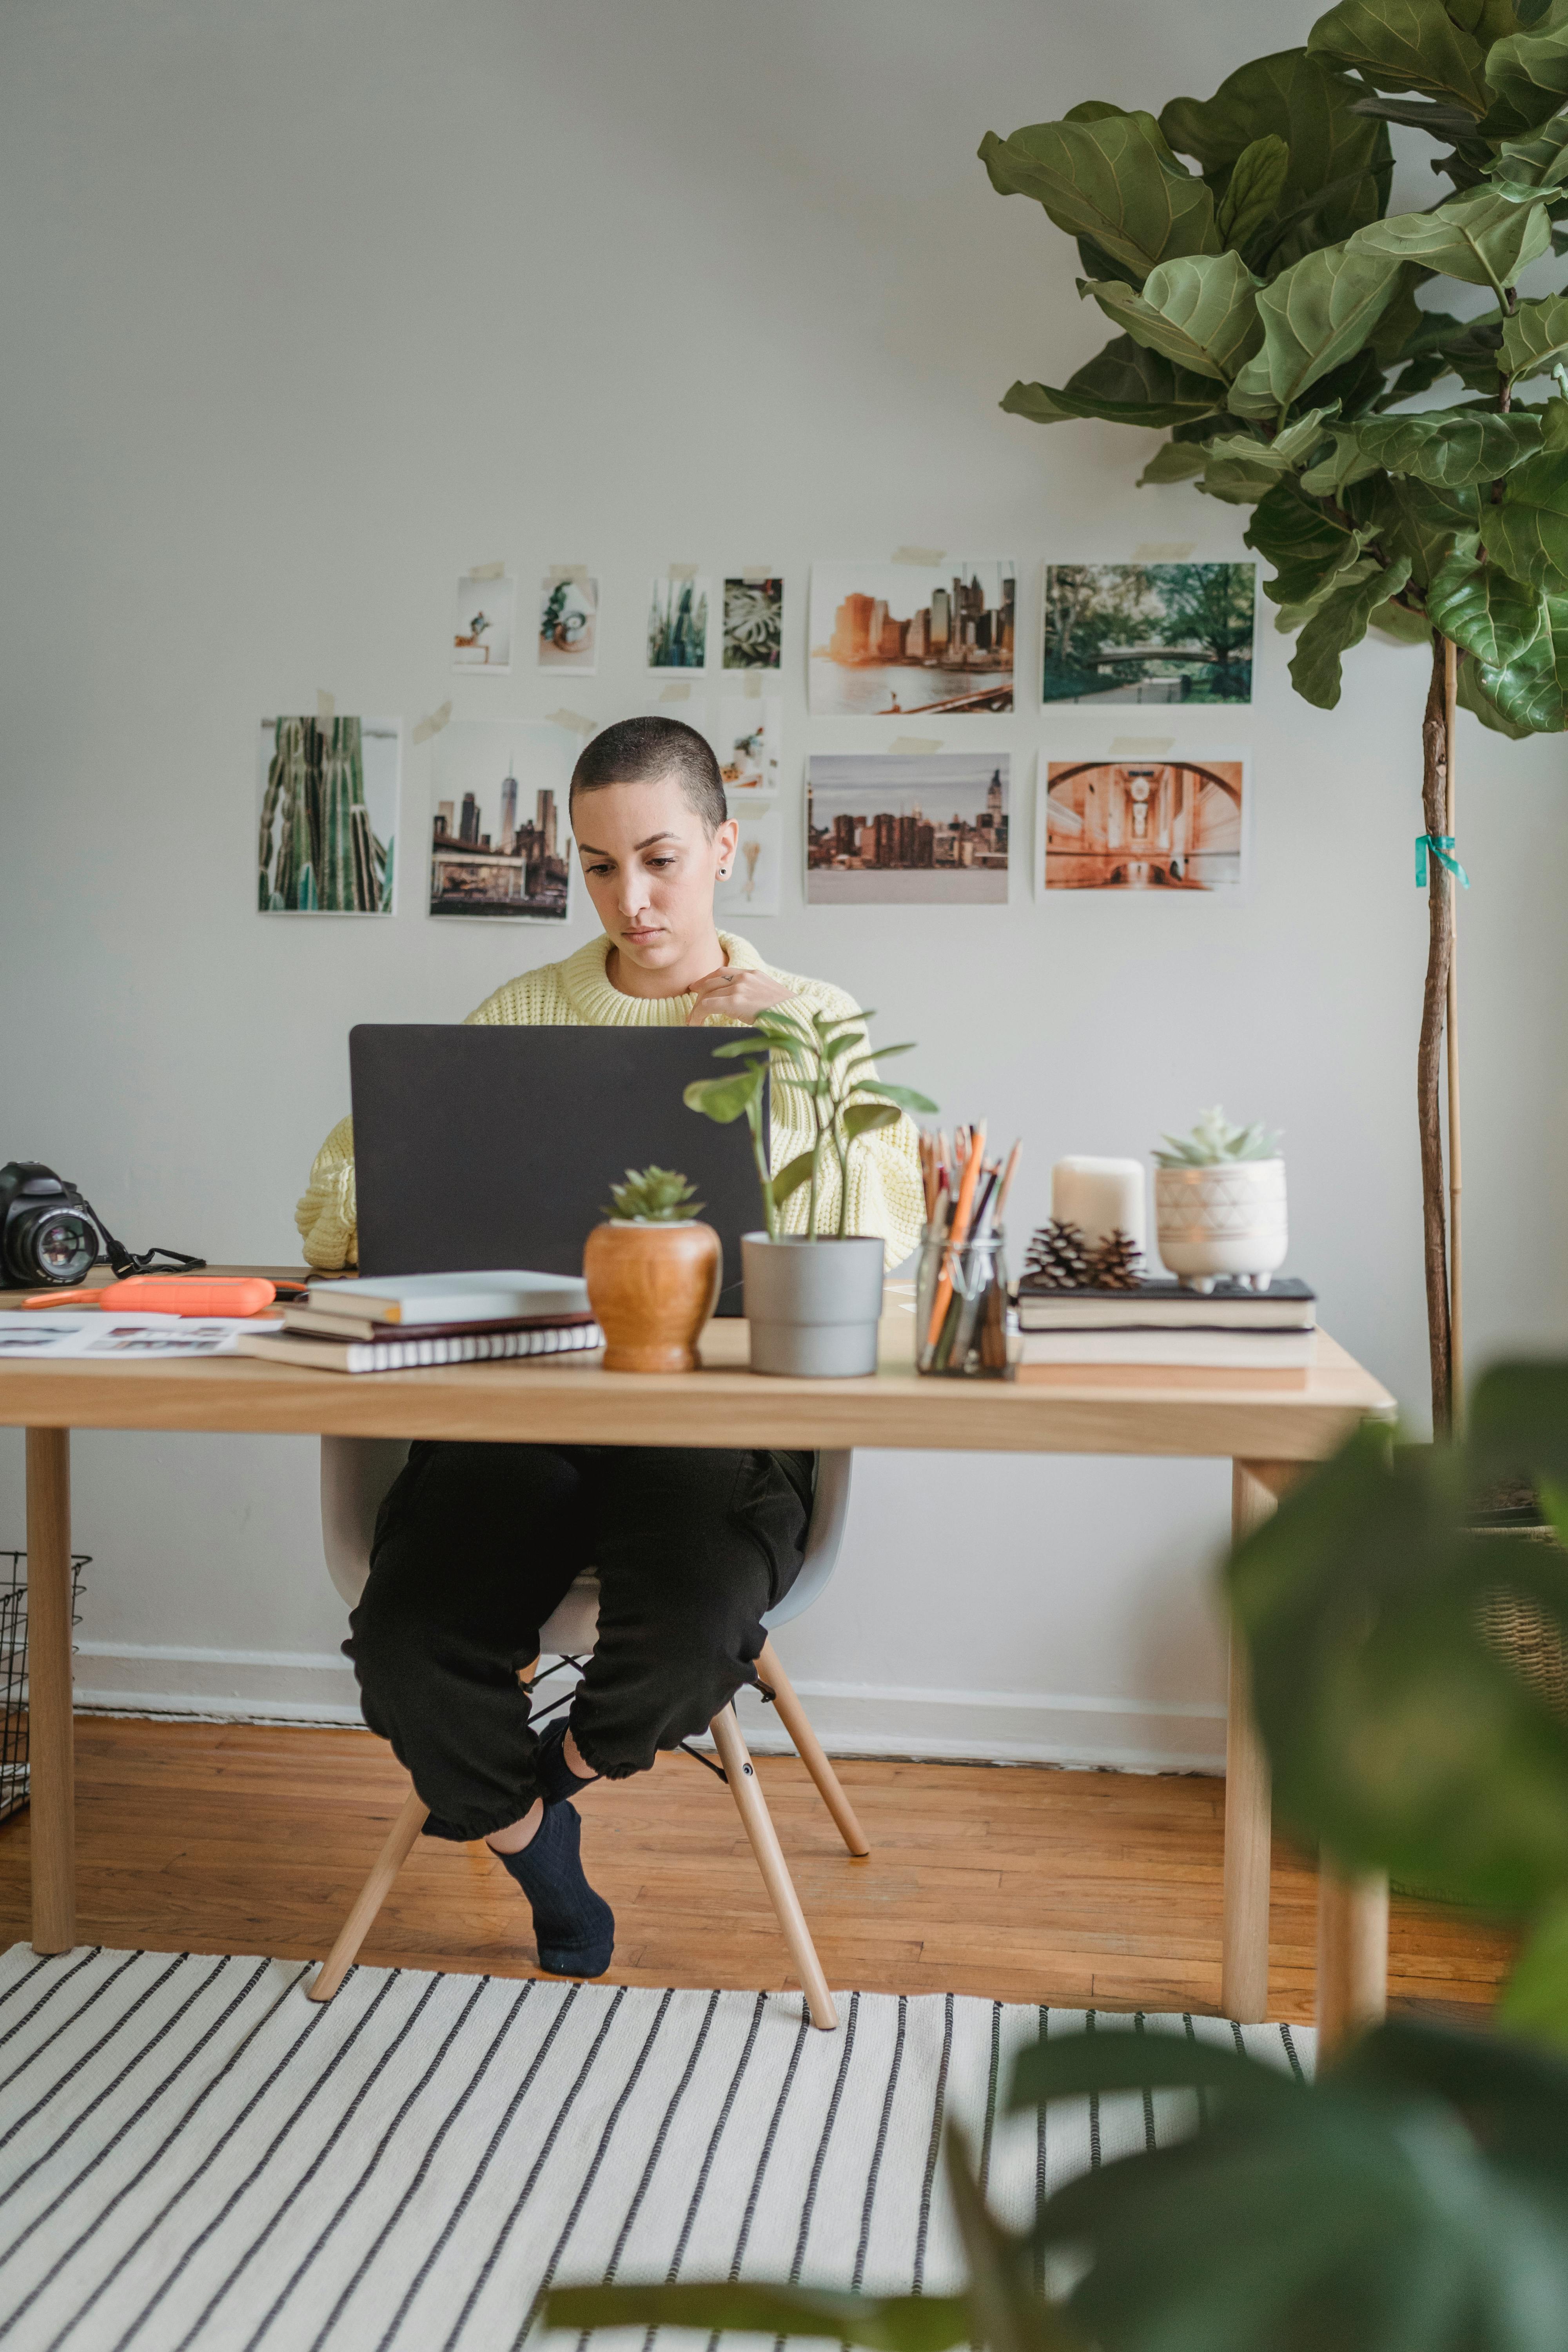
{"x": 176, "y": 1294}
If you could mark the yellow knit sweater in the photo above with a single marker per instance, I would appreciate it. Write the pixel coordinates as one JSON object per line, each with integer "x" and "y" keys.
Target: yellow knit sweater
{"x": 886, "y": 1196}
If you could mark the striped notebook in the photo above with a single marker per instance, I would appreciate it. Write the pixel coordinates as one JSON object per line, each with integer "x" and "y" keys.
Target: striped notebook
{"x": 413, "y": 1354}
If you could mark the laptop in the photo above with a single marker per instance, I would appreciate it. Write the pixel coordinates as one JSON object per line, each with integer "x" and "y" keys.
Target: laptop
{"x": 481, "y": 1146}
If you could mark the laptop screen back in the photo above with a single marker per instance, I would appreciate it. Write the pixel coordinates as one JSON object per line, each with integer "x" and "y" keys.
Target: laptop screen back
{"x": 497, "y": 1147}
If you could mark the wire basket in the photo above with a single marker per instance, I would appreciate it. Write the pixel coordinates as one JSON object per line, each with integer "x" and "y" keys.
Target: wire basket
{"x": 14, "y": 1673}
{"x": 1518, "y": 1630}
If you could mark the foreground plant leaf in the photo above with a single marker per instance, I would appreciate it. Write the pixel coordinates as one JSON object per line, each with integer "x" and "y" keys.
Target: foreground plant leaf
{"x": 895, "y": 2323}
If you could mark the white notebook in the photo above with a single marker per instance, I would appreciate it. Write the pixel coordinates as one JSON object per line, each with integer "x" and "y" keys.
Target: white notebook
{"x": 485, "y": 1297}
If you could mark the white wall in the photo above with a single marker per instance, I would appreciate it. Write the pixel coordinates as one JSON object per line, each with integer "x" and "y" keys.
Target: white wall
{"x": 309, "y": 305}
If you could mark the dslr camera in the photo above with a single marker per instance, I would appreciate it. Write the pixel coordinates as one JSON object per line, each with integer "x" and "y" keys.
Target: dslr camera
{"x": 49, "y": 1237}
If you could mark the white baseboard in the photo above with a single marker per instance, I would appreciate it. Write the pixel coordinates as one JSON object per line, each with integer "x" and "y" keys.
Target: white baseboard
{"x": 1133, "y": 1735}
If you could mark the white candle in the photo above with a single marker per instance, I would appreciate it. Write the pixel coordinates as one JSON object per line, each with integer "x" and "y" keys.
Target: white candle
{"x": 1100, "y": 1195}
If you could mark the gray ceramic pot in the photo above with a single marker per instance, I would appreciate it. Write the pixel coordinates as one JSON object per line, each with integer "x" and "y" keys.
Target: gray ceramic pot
{"x": 812, "y": 1306}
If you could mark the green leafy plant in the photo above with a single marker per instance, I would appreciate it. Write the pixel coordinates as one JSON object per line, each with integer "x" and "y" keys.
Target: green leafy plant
{"x": 825, "y": 1068}
{"x": 1214, "y": 1140}
{"x": 653, "y": 1196}
{"x": 1416, "y": 2194}
{"x": 1267, "y": 316}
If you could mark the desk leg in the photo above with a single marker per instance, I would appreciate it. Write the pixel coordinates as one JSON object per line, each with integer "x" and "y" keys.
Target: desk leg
{"x": 1256, "y": 1488}
{"x": 50, "y": 1742}
{"x": 1352, "y": 1954}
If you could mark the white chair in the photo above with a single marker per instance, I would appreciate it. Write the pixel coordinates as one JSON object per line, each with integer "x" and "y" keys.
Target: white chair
{"x": 356, "y": 1473}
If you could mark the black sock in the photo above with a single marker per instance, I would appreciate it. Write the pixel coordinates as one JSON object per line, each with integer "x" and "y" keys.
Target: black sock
{"x": 573, "y": 1927}
{"x": 557, "y": 1780}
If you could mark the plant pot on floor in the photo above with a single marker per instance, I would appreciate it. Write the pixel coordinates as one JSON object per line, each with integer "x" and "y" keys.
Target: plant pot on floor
{"x": 814, "y": 1305}
{"x": 652, "y": 1287}
{"x": 1227, "y": 1220}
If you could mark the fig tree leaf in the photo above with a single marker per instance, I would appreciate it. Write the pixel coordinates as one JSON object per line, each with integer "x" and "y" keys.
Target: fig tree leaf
{"x": 1405, "y": 516}
{"x": 1307, "y": 103}
{"x": 1345, "y": 463}
{"x": 1252, "y": 192}
{"x": 1449, "y": 447}
{"x": 1307, "y": 546}
{"x": 1338, "y": 623}
{"x": 1480, "y": 237}
{"x": 1315, "y": 314}
{"x": 1528, "y": 532}
{"x": 1242, "y": 469}
{"x": 1529, "y": 70}
{"x": 1113, "y": 178}
{"x": 1404, "y": 45}
{"x": 1173, "y": 461}
{"x": 1199, "y": 311}
{"x": 1535, "y": 1998}
{"x": 1515, "y": 635}
{"x": 1474, "y": 697}
{"x": 1397, "y": 621}
{"x": 1124, "y": 384}
{"x": 1539, "y": 162}
{"x": 1536, "y": 337}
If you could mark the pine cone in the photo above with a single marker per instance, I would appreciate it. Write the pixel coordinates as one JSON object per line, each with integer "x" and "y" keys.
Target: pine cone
{"x": 1056, "y": 1259}
{"x": 1116, "y": 1263}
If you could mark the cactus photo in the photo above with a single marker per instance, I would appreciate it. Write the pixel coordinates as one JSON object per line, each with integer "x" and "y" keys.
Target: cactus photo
{"x": 327, "y": 814}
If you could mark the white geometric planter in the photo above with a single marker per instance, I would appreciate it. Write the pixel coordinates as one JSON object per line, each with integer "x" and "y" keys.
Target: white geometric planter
{"x": 1224, "y": 1219}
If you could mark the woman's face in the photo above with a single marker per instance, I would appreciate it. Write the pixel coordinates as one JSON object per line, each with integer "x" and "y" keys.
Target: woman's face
{"x": 650, "y": 868}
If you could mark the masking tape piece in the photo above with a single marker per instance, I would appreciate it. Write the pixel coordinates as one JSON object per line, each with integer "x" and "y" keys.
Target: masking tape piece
{"x": 755, "y": 579}
{"x": 576, "y": 572}
{"x": 927, "y": 557}
{"x": 326, "y": 709}
{"x": 487, "y": 570}
{"x": 1163, "y": 551}
{"x": 915, "y": 743}
{"x": 432, "y": 724}
{"x": 676, "y": 694}
{"x": 1140, "y": 747}
{"x": 751, "y": 685}
{"x": 683, "y": 571}
{"x": 574, "y": 720}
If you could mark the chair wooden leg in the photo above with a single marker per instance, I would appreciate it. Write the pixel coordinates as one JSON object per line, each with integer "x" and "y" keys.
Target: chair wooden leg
{"x": 810, "y": 1750}
{"x": 759, "y": 1825}
{"x": 393, "y": 1854}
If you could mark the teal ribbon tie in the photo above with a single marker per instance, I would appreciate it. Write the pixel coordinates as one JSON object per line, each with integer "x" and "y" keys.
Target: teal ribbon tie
{"x": 1441, "y": 845}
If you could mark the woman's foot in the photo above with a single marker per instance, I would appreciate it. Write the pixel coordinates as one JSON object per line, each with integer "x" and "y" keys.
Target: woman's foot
{"x": 573, "y": 1927}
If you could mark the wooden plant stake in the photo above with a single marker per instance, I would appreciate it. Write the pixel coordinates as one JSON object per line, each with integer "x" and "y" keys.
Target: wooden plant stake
{"x": 1456, "y": 1253}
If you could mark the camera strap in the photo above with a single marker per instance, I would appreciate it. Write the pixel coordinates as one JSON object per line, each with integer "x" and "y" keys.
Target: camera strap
{"x": 123, "y": 1262}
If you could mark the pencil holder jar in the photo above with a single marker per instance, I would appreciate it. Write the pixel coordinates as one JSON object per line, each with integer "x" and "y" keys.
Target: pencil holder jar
{"x": 961, "y": 1310}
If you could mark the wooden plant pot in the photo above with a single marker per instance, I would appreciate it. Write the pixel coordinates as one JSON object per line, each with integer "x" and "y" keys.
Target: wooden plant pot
{"x": 652, "y": 1289}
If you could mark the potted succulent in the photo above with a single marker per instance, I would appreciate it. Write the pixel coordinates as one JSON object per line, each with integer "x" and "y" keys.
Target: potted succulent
{"x": 653, "y": 1272}
{"x": 813, "y": 1298}
{"x": 1219, "y": 1204}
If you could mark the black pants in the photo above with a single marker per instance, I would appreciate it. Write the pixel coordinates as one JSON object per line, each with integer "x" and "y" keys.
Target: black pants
{"x": 475, "y": 1544}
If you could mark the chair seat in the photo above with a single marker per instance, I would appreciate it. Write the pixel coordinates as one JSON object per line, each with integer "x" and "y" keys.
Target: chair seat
{"x": 572, "y": 1629}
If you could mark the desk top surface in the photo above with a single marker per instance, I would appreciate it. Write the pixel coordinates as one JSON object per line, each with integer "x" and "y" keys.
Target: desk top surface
{"x": 1062, "y": 1409}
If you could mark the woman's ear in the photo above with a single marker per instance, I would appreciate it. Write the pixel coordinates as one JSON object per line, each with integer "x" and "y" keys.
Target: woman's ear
{"x": 724, "y": 845}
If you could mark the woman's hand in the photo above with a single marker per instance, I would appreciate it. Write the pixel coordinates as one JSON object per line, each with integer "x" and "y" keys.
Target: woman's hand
{"x": 733, "y": 996}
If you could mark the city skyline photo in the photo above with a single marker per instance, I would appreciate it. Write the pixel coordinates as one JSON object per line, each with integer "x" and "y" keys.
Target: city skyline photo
{"x": 888, "y": 639}
{"x": 499, "y": 846}
{"x": 908, "y": 829}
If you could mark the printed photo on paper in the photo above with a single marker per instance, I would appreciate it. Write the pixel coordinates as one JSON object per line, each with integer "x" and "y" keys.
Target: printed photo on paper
{"x": 499, "y": 846}
{"x": 481, "y": 638}
{"x": 753, "y": 622}
{"x": 327, "y": 815}
{"x": 568, "y": 626}
{"x": 745, "y": 738}
{"x": 890, "y": 639}
{"x": 925, "y": 829}
{"x": 752, "y": 884}
{"x": 1148, "y": 632}
{"x": 678, "y": 625}
{"x": 1168, "y": 825}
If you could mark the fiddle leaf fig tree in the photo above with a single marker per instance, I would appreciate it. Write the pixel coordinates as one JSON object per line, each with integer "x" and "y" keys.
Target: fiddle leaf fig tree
{"x": 1402, "y": 451}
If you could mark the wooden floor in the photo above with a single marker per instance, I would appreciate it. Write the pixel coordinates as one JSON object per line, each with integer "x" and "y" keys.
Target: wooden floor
{"x": 1028, "y": 1885}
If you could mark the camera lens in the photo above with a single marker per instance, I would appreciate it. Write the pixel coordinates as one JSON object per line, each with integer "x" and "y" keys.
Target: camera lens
{"x": 59, "y": 1245}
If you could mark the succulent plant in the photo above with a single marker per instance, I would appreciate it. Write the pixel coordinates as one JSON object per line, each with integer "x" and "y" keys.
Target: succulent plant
{"x": 653, "y": 1196}
{"x": 1214, "y": 1140}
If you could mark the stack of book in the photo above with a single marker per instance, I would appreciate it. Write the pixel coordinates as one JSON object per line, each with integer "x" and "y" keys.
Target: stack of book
{"x": 411, "y": 1321}
{"x": 1156, "y": 1321}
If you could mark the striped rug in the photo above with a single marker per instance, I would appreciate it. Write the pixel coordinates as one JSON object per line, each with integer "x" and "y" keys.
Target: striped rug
{"x": 194, "y": 2156}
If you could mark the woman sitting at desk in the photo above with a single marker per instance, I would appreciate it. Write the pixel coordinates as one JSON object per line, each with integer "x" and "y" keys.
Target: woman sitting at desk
{"x": 475, "y": 1544}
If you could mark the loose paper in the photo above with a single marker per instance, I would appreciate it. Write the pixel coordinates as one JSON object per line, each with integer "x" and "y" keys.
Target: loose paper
{"x": 42, "y": 1336}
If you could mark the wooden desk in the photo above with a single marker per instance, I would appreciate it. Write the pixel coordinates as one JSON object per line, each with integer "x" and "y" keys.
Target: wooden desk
{"x": 1270, "y": 1432}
